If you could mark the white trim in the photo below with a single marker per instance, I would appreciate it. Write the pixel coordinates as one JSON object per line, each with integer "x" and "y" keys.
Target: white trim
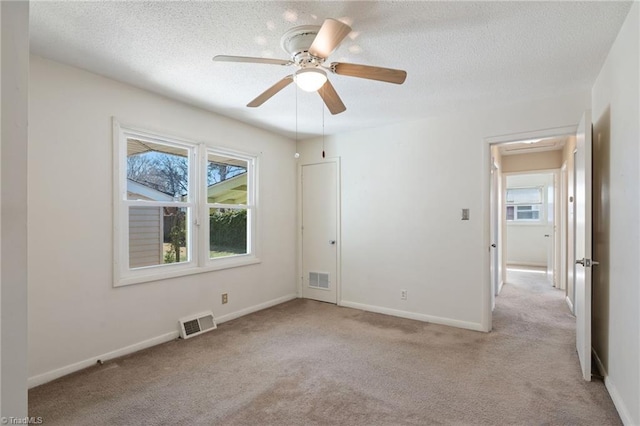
{"x": 118, "y": 175}
{"x": 197, "y": 210}
{"x": 43, "y": 378}
{"x": 256, "y": 308}
{"x": 487, "y": 291}
{"x": 220, "y": 263}
{"x": 519, "y": 263}
{"x": 251, "y": 207}
{"x": 487, "y": 314}
{"x": 623, "y": 411}
{"x": 562, "y": 226}
{"x": 570, "y": 304}
{"x": 536, "y": 134}
{"x": 63, "y": 371}
{"x": 415, "y": 316}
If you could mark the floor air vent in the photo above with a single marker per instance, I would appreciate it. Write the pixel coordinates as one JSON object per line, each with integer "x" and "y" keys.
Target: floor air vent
{"x": 319, "y": 280}
{"x": 196, "y": 324}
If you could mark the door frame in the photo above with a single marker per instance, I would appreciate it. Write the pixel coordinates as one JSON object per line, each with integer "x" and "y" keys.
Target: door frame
{"x": 564, "y": 220}
{"x": 487, "y": 314}
{"x": 495, "y": 228}
{"x": 553, "y": 247}
{"x": 299, "y": 264}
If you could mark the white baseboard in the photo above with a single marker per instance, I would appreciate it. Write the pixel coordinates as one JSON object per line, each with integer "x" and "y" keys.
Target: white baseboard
{"x": 72, "y": 368}
{"x": 569, "y": 303}
{"x": 255, "y": 308}
{"x": 63, "y": 371}
{"x": 613, "y": 393}
{"x": 623, "y": 412}
{"x": 414, "y": 316}
{"x": 500, "y": 286}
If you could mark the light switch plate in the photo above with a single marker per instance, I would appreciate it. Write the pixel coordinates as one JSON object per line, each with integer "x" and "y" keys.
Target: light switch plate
{"x": 465, "y": 214}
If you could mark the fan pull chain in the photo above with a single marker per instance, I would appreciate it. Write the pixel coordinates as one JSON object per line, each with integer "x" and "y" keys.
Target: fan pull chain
{"x": 322, "y": 104}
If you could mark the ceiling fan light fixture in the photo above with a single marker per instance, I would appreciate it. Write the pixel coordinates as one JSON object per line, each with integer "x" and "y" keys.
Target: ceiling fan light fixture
{"x": 310, "y": 79}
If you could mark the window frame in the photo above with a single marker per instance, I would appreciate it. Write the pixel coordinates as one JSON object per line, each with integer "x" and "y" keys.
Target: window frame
{"x": 197, "y": 234}
{"x": 541, "y": 210}
{"x": 250, "y": 207}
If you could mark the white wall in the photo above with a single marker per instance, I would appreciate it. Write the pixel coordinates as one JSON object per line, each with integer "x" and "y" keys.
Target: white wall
{"x": 14, "y": 36}
{"x": 526, "y": 242}
{"x": 75, "y": 315}
{"x": 403, "y": 188}
{"x": 616, "y": 92}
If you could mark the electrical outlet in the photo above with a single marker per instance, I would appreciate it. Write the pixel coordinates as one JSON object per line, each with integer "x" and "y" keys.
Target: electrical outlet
{"x": 403, "y": 294}
{"x": 225, "y": 298}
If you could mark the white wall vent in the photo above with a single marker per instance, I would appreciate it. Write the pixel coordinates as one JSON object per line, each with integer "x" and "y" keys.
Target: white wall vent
{"x": 319, "y": 280}
{"x": 196, "y": 324}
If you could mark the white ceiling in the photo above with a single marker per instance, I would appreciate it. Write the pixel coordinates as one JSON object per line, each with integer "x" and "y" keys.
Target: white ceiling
{"x": 457, "y": 54}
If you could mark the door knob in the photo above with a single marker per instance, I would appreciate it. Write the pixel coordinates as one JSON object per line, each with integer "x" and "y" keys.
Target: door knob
{"x": 332, "y": 242}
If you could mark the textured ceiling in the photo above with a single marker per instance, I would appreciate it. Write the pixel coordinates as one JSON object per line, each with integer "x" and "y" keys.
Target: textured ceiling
{"x": 456, "y": 54}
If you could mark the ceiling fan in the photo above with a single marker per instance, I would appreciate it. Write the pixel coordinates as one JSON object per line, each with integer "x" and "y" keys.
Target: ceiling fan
{"x": 309, "y": 47}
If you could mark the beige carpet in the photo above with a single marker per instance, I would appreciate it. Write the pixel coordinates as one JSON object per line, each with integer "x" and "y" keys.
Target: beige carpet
{"x": 310, "y": 363}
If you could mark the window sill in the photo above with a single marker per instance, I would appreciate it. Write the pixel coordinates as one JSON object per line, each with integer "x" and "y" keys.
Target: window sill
{"x": 219, "y": 264}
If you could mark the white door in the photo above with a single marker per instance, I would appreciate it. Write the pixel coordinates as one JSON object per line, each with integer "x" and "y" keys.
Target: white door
{"x": 583, "y": 244}
{"x": 320, "y": 231}
{"x": 550, "y": 232}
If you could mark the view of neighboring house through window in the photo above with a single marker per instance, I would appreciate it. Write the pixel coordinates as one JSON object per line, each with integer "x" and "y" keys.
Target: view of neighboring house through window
{"x": 524, "y": 204}
{"x": 158, "y": 197}
{"x": 166, "y": 187}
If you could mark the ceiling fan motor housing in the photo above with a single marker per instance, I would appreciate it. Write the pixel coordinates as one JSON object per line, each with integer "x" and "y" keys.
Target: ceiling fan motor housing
{"x": 309, "y": 46}
{"x": 297, "y": 41}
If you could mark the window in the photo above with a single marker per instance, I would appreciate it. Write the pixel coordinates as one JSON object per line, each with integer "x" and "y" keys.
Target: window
{"x": 524, "y": 204}
{"x": 228, "y": 205}
{"x": 165, "y": 188}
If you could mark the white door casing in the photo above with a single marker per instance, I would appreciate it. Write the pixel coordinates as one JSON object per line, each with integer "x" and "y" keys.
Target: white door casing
{"x": 495, "y": 269}
{"x": 562, "y": 279}
{"x": 320, "y": 230}
{"x": 583, "y": 259}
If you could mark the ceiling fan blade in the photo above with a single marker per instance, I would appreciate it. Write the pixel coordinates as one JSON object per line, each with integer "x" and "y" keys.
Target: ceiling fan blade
{"x": 387, "y": 75}
{"x": 227, "y": 58}
{"x": 328, "y": 38}
{"x": 267, "y": 94}
{"x": 331, "y": 98}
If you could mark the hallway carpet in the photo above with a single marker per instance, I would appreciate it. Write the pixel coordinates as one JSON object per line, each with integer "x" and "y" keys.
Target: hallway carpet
{"x": 311, "y": 363}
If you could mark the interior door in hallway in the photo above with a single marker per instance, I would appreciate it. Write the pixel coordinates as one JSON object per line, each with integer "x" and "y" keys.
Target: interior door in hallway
{"x": 550, "y": 231}
{"x": 320, "y": 209}
{"x": 583, "y": 243}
